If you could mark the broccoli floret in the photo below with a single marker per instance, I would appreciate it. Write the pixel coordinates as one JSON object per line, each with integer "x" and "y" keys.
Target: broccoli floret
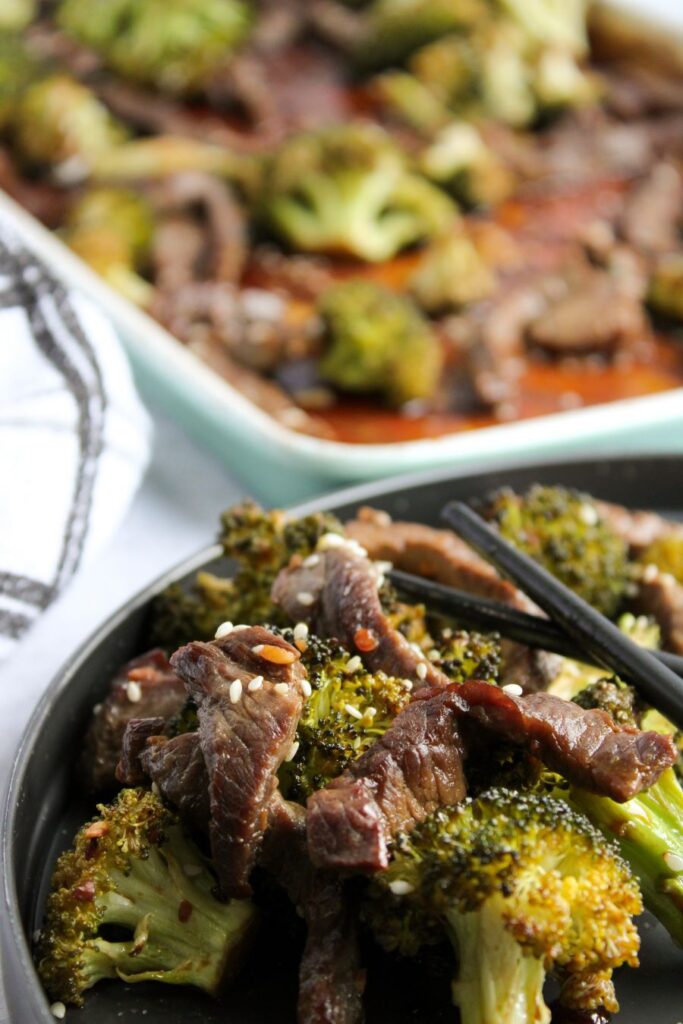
{"x": 133, "y": 870}
{"x": 396, "y": 28}
{"x": 378, "y": 341}
{"x": 451, "y": 273}
{"x": 563, "y": 530}
{"x": 261, "y": 543}
{"x": 174, "y": 45}
{"x": 460, "y": 160}
{"x": 665, "y": 294}
{"x": 405, "y": 98}
{"x": 18, "y": 70}
{"x": 59, "y": 121}
{"x": 17, "y": 14}
{"x": 551, "y": 23}
{"x": 465, "y": 655}
{"x": 667, "y": 554}
{"x": 348, "y": 190}
{"x": 618, "y": 699}
{"x": 348, "y": 709}
{"x": 111, "y": 229}
{"x": 521, "y": 884}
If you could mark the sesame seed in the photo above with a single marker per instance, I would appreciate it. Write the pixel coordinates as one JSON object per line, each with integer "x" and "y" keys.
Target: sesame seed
{"x": 433, "y": 655}
{"x": 311, "y": 561}
{"x": 192, "y": 870}
{"x": 668, "y": 579}
{"x": 134, "y": 692}
{"x": 447, "y": 633}
{"x": 355, "y": 548}
{"x": 281, "y": 688}
{"x": 235, "y": 690}
{"x": 97, "y": 709}
{"x": 514, "y": 689}
{"x": 370, "y": 713}
{"x": 291, "y": 753}
{"x": 354, "y": 712}
{"x": 236, "y": 629}
{"x": 408, "y": 684}
{"x": 306, "y": 688}
{"x": 257, "y": 648}
{"x": 673, "y": 861}
{"x": 353, "y": 664}
{"x": 417, "y": 649}
{"x": 255, "y": 684}
{"x": 627, "y": 621}
{"x": 305, "y": 598}
{"x": 421, "y": 671}
{"x": 400, "y": 887}
{"x": 58, "y": 1010}
{"x": 300, "y": 631}
{"x": 330, "y": 540}
{"x": 384, "y": 567}
{"x": 224, "y": 629}
{"x": 588, "y": 514}
{"x": 155, "y": 789}
{"x": 650, "y": 573}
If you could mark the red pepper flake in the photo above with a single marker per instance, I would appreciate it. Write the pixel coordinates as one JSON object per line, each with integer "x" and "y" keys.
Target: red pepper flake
{"x": 184, "y": 911}
{"x": 301, "y": 645}
{"x": 97, "y": 830}
{"x": 84, "y": 892}
{"x": 365, "y": 640}
{"x": 276, "y": 655}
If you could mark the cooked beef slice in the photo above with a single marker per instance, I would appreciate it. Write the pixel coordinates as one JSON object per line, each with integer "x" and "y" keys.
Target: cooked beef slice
{"x": 652, "y": 214}
{"x": 594, "y": 315}
{"x": 443, "y": 556}
{"x": 330, "y": 977}
{"x": 146, "y": 687}
{"x": 587, "y": 747}
{"x": 638, "y": 528}
{"x": 177, "y": 767}
{"x": 247, "y": 688}
{"x": 409, "y": 772}
{"x": 337, "y": 596}
{"x": 661, "y": 596}
{"x": 129, "y": 771}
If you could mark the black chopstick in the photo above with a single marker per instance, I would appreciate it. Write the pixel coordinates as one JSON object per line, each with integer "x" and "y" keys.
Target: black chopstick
{"x": 605, "y": 643}
{"x": 495, "y": 617}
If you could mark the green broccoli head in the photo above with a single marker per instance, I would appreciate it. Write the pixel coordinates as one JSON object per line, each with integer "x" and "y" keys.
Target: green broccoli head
{"x": 133, "y": 869}
{"x": 563, "y": 530}
{"x": 451, "y": 274}
{"x": 111, "y": 229}
{"x": 174, "y": 45}
{"x": 521, "y": 883}
{"x": 667, "y": 554}
{"x": 396, "y": 28}
{"x": 348, "y": 190}
{"x": 59, "y": 121}
{"x": 261, "y": 543}
{"x": 617, "y": 698}
{"x": 459, "y": 159}
{"x": 347, "y": 710}
{"x": 378, "y": 341}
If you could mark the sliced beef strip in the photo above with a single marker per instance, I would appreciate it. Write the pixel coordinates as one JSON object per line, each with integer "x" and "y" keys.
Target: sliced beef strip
{"x": 338, "y": 597}
{"x": 178, "y": 769}
{"x": 651, "y": 217}
{"x": 156, "y": 693}
{"x": 586, "y": 746}
{"x": 129, "y": 771}
{"x": 443, "y": 556}
{"x": 409, "y": 772}
{"x": 661, "y": 596}
{"x": 245, "y": 735}
{"x": 331, "y": 980}
{"x": 638, "y": 528}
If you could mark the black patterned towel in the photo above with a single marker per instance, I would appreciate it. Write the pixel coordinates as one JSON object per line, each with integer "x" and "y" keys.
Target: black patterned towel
{"x": 74, "y": 438}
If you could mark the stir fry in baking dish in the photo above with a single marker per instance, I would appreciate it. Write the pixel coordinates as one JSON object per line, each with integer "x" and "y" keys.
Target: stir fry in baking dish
{"x": 380, "y": 220}
{"x": 501, "y": 814}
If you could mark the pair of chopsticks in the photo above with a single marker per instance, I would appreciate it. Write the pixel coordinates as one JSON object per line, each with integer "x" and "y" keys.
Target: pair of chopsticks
{"x": 574, "y": 628}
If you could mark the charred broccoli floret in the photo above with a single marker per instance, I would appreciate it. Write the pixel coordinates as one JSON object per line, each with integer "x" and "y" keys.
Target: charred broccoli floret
{"x": 132, "y": 868}
{"x": 618, "y": 699}
{"x": 563, "y": 530}
{"x": 261, "y": 543}
{"x": 521, "y": 884}
{"x": 378, "y": 341}
{"x": 348, "y": 190}
{"x": 59, "y": 123}
{"x": 396, "y": 28}
{"x": 451, "y": 273}
{"x": 458, "y": 159}
{"x": 348, "y": 709}
{"x": 175, "y": 45}
{"x": 667, "y": 554}
{"x": 465, "y": 655}
{"x": 111, "y": 229}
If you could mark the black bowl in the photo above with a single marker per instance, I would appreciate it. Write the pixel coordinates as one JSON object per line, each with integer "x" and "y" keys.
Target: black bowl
{"x": 42, "y": 812}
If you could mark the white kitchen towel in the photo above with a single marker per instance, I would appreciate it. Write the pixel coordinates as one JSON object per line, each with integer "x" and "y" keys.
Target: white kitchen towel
{"x": 74, "y": 438}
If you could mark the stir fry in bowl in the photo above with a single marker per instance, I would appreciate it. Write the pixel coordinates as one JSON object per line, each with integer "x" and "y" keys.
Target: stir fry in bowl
{"x": 501, "y": 201}
{"x": 500, "y": 812}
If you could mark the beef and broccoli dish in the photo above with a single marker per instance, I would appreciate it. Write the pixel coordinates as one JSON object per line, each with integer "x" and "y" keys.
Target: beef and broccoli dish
{"x": 380, "y": 220}
{"x": 297, "y": 731}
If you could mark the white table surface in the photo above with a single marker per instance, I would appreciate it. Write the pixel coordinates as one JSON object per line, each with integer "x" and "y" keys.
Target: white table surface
{"x": 174, "y": 515}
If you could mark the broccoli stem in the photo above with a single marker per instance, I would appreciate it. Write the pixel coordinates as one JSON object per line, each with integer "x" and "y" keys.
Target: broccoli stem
{"x": 497, "y": 981}
{"x": 181, "y": 933}
{"x": 649, "y": 830}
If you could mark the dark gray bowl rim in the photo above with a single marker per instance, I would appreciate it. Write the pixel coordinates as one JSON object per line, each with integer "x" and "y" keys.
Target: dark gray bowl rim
{"x": 12, "y": 923}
